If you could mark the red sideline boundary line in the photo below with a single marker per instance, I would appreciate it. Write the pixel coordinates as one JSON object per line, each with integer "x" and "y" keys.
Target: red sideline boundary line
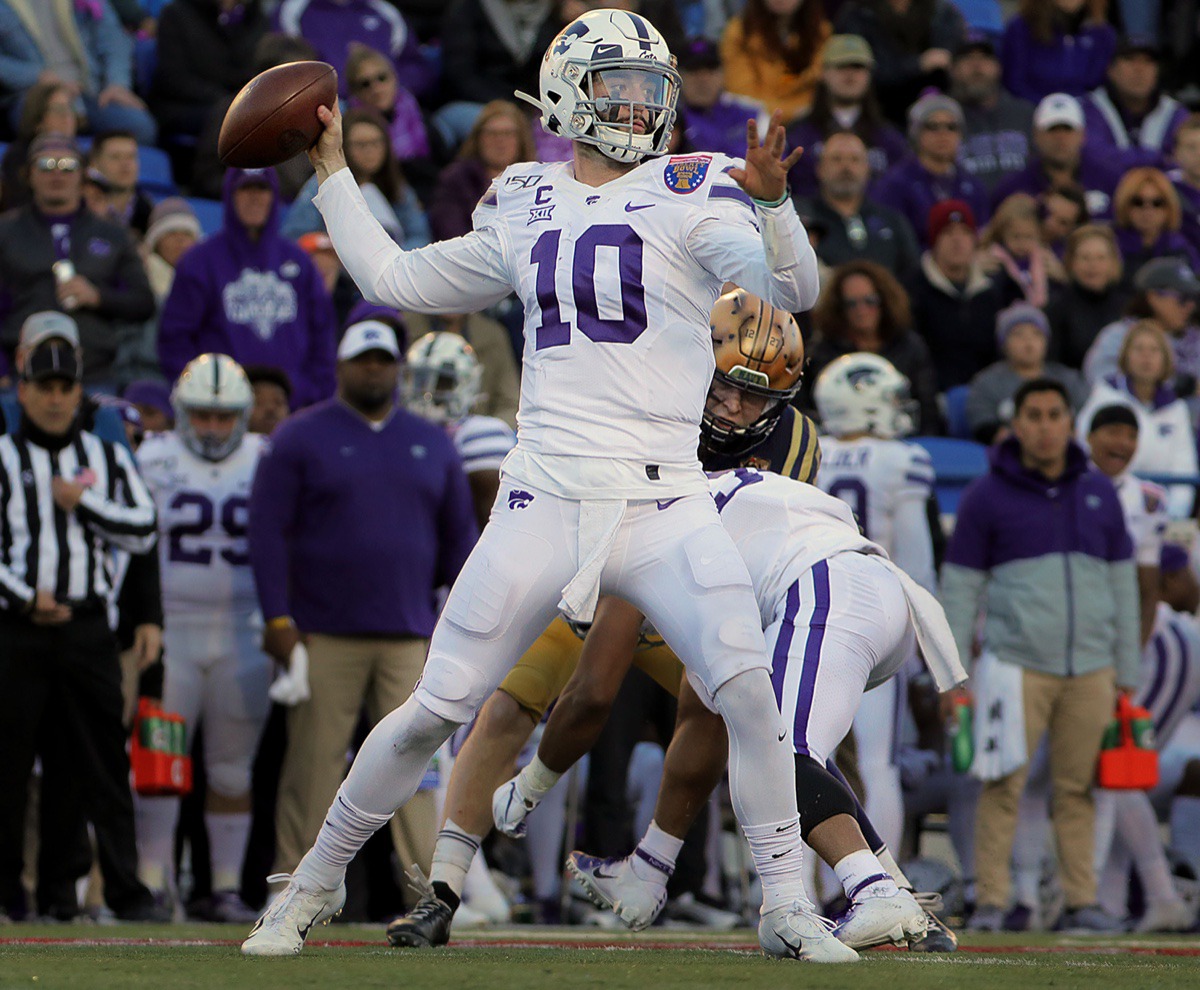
{"x": 1110, "y": 950}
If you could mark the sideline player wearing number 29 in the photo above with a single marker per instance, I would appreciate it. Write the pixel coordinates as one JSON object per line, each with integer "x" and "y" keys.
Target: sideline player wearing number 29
{"x": 617, "y": 257}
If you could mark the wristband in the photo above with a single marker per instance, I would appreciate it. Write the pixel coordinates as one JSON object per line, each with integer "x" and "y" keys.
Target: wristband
{"x": 769, "y": 205}
{"x": 280, "y": 622}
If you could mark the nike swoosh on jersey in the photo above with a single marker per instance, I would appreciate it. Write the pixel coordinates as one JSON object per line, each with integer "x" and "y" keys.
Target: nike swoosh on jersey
{"x": 630, "y": 208}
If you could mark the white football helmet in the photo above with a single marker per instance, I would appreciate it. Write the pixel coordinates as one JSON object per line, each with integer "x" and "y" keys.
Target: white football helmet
{"x": 602, "y": 61}
{"x": 212, "y": 382}
{"x": 864, "y": 393}
{"x": 442, "y": 376}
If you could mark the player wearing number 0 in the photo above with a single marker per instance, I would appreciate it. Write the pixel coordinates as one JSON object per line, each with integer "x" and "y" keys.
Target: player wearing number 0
{"x": 215, "y": 673}
{"x": 864, "y": 406}
{"x": 617, "y": 257}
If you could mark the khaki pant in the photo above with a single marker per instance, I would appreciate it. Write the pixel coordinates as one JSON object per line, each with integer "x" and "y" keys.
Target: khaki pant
{"x": 1074, "y": 710}
{"x": 344, "y": 672}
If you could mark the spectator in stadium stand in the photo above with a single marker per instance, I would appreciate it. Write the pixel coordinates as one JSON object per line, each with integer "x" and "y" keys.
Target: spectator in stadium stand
{"x": 337, "y": 281}
{"x": 152, "y": 399}
{"x": 173, "y": 229}
{"x": 932, "y": 175}
{"x": 1128, "y": 117}
{"x": 112, "y": 175}
{"x": 1057, "y": 46}
{"x": 373, "y": 164}
{"x": 913, "y": 45}
{"x": 1022, "y": 334}
{"x": 272, "y": 398}
{"x": 1092, "y": 297}
{"x": 60, "y": 679}
{"x": 1185, "y": 177}
{"x": 1061, "y": 159}
{"x": 1145, "y": 380}
{"x": 771, "y": 52}
{"x": 996, "y": 124}
{"x": 1044, "y": 538}
{"x": 359, "y": 512}
{"x": 80, "y": 44}
{"x": 248, "y": 292}
{"x": 49, "y": 108}
{"x": 1013, "y": 251}
{"x": 844, "y": 100}
{"x": 205, "y": 54}
{"x": 1147, "y": 219}
{"x": 855, "y": 226}
{"x": 712, "y": 118}
{"x": 1167, "y": 291}
{"x": 863, "y": 308}
{"x": 501, "y": 136}
{"x": 334, "y": 27}
{"x": 54, "y": 254}
{"x": 954, "y": 303}
{"x": 1062, "y": 211}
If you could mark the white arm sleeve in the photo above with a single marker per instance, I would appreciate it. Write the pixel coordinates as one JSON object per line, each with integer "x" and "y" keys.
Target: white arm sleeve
{"x": 461, "y": 275}
{"x": 774, "y": 261}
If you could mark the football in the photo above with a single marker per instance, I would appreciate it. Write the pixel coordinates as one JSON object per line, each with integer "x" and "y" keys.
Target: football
{"x": 275, "y": 115}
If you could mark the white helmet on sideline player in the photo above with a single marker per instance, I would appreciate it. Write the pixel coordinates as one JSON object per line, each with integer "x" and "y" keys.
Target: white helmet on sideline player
{"x": 602, "y": 61}
{"x": 864, "y": 393}
{"x": 442, "y": 376}
{"x": 217, "y": 383}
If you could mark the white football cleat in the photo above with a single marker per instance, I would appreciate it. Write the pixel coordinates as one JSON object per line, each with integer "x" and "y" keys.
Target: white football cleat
{"x": 510, "y": 808}
{"x": 882, "y": 919}
{"x": 285, "y": 924}
{"x": 613, "y": 884}
{"x": 795, "y": 931}
{"x": 1166, "y": 916}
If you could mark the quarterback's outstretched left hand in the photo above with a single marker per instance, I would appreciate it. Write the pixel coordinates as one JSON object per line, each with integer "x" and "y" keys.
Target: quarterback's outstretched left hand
{"x": 765, "y": 175}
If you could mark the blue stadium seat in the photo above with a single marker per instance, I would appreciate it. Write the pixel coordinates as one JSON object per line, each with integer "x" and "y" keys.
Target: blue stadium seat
{"x": 154, "y": 172}
{"x": 210, "y": 213}
{"x": 145, "y": 61}
{"x": 956, "y": 463}
{"x": 956, "y": 412}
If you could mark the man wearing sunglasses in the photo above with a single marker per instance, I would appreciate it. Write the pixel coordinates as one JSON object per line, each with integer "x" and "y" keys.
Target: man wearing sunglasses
{"x": 57, "y": 255}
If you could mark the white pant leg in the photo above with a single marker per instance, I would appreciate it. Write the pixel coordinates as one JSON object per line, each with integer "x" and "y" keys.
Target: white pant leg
{"x": 234, "y": 709}
{"x": 875, "y": 735}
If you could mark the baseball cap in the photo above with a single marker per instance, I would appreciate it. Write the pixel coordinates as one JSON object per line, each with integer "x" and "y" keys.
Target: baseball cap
{"x": 150, "y": 392}
{"x": 1134, "y": 44}
{"x": 52, "y": 144}
{"x": 976, "y": 41}
{"x": 1058, "y": 110}
{"x": 1013, "y": 316}
{"x": 369, "y": 335}
{"x": 929, "y": 104}
{"x": 699, "y": 53}
{"x": 253, "y": 177}
{"x": 847, "y": 49}
{"x": 949, "y": 211}
{"x": 53, "y": 359}
{"x": 1167, "y": 273}
{"x": 314, "y": 241}
{"x": 49, "y": 324}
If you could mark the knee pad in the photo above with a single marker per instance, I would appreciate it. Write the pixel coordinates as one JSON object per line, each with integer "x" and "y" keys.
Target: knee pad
{"x": 819, "y": 795}
{"x": 229, "y": 778}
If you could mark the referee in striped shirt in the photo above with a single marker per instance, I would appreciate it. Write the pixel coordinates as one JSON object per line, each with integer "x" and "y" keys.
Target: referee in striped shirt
{"x": 67, "y": 499}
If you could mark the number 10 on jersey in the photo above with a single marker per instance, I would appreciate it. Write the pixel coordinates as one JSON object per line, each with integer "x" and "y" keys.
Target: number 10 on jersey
{"x": 553, "y": 331}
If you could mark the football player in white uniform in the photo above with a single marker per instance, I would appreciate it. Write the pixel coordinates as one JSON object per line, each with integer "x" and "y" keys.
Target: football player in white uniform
{"x": 863, "y": 404}
{"x": 441, "y": 384}
{"x": 214, "y": 670}
{"x": 617, "y": 257}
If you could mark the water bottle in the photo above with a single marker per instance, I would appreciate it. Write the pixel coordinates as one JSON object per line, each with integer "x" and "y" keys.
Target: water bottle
{"x": 962, "y": 736}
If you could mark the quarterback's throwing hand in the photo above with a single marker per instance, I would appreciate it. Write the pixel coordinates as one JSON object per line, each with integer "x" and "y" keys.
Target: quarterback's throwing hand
{"x": 327, "y": 155}
{"x": 765, "y": 175}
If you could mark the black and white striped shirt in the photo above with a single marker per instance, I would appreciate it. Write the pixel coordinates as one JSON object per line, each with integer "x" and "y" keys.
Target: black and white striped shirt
{"x": 68, "y": 553}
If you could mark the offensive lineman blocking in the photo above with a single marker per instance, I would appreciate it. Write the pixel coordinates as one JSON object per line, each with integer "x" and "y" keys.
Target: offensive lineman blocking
{"x": 617, "y": 262}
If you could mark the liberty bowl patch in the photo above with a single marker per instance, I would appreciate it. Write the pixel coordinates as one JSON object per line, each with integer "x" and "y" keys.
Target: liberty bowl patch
{"x": 684, "y": 175}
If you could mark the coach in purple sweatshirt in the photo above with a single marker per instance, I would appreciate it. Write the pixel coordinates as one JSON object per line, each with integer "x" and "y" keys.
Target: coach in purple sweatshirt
{"x": 248, "y": 292}
{"x": 359, "y": 512}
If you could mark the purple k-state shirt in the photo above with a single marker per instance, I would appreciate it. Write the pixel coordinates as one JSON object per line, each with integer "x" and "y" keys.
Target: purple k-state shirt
{"x": 913, "y": 190}
{"x": 353, "y": 529}
{"x": 1096, "y": 176}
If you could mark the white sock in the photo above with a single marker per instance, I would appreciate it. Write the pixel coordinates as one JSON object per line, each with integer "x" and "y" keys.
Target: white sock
{"x": 1138, "y": 828}
{"x": 776, "y": 850}
{"x": 861, "y": 874}
{"x": 452, "y": 856}
{"x": 654, "y": 857}
{"x": 344, "y": 833}
{"x": 536, "y": 779}
{"x": 155, "y": 819}
{"x": 887, "y": 861}
{"x": 1185, "y": 828}
{"x": 227, "y": 837}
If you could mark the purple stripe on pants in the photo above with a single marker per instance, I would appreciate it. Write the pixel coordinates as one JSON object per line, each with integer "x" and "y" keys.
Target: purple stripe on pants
{"x": 1177, "y": 691}
{"x": 812, "y": 655}
{"x": 783, "y": 642}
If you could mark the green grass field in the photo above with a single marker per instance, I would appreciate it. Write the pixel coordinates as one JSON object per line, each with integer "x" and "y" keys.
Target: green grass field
{"x": 138, "y": 957}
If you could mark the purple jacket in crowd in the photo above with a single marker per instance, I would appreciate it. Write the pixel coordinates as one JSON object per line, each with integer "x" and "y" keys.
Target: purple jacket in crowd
{"x": 1189, "y": 199}
{"x": 260, "y": 302}
{"x": 886, "y": 147}
{"x": 353, "y": 529}
{"x": 721, "y": 127}
{"x": 1116, "y": 136}
{"x": 913, "y": 190}
{"x": 1071, "y": 63}
{"x": 1170, "y": 244}
{"x": 1096, "y": 176}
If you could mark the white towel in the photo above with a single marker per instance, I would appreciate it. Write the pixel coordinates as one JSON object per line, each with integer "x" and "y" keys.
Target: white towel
{"x": 291, "y": 687}
{"x": 999, "y": 719}
{"x": 599, "y": 520}
{"x": 934, "y": 638}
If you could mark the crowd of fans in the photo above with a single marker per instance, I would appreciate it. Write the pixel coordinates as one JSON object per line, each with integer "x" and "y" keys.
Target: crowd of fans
{"x": 997, "y": 193}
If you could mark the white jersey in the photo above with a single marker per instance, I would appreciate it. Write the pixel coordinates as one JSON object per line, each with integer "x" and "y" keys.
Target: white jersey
{"x": 482, "y": 442}
{"x": 1145, "y": 506}
{"x": 203, "y": 507}
{"x": 616, "y": 282}
{"x": 1170, "y": 675}
{"x": 887, "y": 484}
